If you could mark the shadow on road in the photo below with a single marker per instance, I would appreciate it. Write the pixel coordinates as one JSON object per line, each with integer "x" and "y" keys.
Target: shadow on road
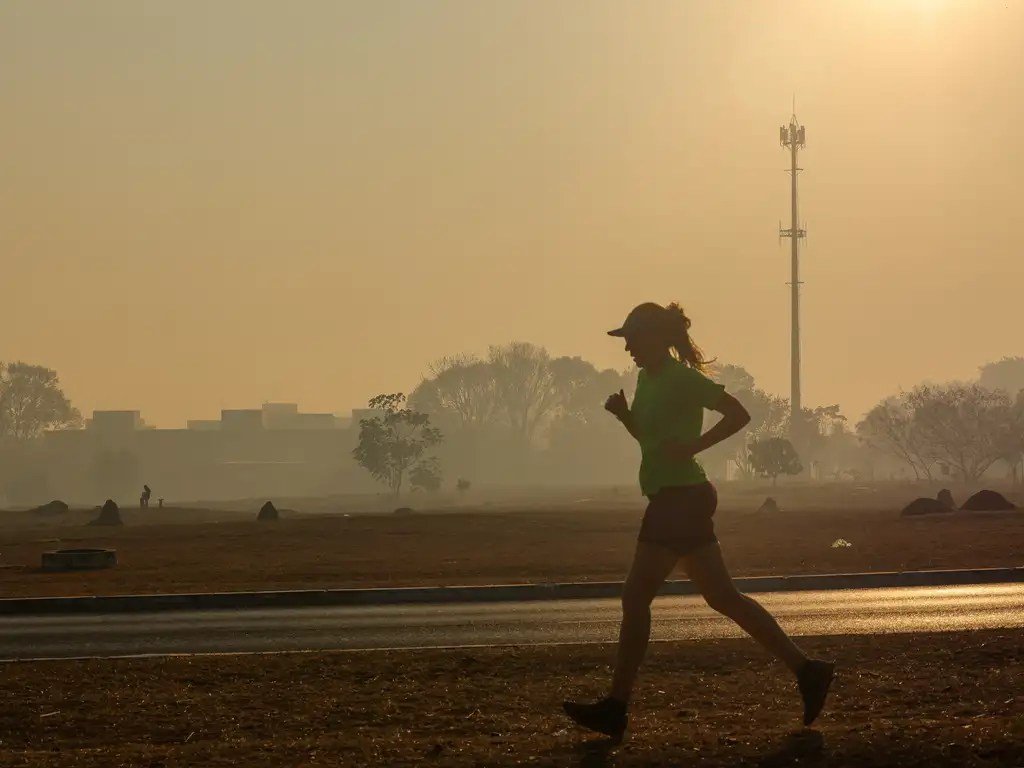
{"x": 798, "y": 748}
{"x": 596, "y": 753}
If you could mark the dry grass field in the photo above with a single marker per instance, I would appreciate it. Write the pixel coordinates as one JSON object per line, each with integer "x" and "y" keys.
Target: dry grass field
{"x": 189, "y": 550}
{"x": 914, "y": 701}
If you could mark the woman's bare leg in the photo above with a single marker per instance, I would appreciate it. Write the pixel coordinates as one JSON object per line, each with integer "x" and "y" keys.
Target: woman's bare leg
{"x": 652, "y": 564}
{"x": 708, "y": 572}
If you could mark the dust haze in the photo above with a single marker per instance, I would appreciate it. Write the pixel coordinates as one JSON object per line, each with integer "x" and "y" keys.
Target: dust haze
{"x": 229, "y": 227}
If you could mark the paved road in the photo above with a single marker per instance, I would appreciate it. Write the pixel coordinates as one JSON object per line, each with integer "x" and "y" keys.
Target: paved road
{"x": 864, "y": 611}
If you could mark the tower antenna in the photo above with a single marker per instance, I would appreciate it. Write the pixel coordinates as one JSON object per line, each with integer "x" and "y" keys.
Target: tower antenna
{"x": 792, "y": 137}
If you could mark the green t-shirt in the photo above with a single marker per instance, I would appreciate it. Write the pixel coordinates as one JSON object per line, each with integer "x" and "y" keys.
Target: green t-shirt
{"x": 670, "y": 405}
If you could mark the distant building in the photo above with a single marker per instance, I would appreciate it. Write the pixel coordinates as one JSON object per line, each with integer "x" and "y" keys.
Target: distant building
{"x": 204, "y": 425}
{"x": 275, "y": 450}
{"x": 115, "y": 421}
{"x": 287, "y": 416}
{"x": 246, "y": 420}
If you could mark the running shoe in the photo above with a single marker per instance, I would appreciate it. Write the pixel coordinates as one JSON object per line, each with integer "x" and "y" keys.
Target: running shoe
{"x": 606, "y": 716}
{"x": 814, "y": 679}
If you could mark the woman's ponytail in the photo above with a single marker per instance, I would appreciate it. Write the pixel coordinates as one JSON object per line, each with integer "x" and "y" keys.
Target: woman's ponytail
{"x": 677, "y": 326}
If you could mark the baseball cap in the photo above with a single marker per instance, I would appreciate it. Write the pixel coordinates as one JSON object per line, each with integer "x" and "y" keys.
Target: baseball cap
{"x": 643, "y": 318}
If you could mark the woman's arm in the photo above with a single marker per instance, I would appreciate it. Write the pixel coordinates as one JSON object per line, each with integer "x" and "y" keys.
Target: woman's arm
{"x": 734, "y": 418}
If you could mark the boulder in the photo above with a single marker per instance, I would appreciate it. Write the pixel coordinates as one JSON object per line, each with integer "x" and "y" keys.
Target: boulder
{"x": 987, "y": 501}
{"x": 109, "y": 514}
{"x": 55, "y": 507}
{"x": 925, "y": 506}
{"x": 946, "y": 497}
{"x": 769, "y": 505}
{"x": 404, "y": 511}
{"x": 267, "y": 513}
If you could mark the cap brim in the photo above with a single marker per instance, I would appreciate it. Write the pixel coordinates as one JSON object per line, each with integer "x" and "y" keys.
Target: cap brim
{"x": 617, "y": 332}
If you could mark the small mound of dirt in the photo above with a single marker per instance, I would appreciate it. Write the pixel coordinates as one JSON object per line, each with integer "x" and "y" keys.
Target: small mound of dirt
{"x": 946, "y": 497}
{"x": 110, "y": 514}
{"x": 925, "y": 506}
{"x": 769, "y": 505}
{"x": 267, "y": 513}
{"x": 987, "y": 501}
{"x": 404, "y": 511}
{"x": 55, "y": 507}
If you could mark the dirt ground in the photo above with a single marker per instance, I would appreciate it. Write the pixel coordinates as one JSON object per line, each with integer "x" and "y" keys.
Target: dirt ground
{"x": 190, "y": 550}
{"x": 898, "y": 700}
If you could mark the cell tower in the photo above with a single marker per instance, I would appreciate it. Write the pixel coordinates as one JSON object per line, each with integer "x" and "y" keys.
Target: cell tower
{"x": 792, "y": 137}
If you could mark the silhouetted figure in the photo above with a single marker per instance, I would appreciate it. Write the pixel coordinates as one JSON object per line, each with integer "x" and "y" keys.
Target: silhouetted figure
{"x": 144, "y": 498}
{"x": 666, "y": 418}
{"x": 160, "y": 503}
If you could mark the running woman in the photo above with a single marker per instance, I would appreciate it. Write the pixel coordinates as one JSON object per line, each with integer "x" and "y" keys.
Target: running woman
{"x": 666, "y": 418}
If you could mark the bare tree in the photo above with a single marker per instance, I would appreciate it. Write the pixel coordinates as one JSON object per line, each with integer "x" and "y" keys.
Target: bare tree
{"x": 462, "y": 386}
{"x": 889, "y": 426}
{"x": 526, "y": 387}
{"x": 960, "y": 425}
{"x": 1009, "y": 441}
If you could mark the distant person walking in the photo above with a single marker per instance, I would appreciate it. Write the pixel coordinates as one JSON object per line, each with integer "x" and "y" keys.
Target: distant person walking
{"x": 144, "y": 498}
{"x": 666, "y": 418}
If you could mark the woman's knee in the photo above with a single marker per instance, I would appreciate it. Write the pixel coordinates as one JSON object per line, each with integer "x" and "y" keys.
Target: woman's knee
{"x": 724, "y": 601}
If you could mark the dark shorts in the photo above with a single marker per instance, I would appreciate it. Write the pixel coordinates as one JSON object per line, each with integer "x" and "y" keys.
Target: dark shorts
{"x": 679, "y": 518}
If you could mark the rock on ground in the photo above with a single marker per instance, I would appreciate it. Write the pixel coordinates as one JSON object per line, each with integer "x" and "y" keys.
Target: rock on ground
{"x": 925, "y": 506}
{"x": 987, "y": 501}
{"x": 110, "y": 514}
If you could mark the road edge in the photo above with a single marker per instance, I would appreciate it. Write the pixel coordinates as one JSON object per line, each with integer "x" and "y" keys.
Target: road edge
{"x": 305, "y": 598}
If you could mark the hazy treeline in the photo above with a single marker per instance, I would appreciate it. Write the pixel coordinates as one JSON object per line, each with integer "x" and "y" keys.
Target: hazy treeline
{"x": 520, "y": 415}
{"x": 517, "y": 415}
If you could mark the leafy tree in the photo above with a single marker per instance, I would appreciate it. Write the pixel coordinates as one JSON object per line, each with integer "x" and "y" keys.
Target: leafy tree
{"x": 1006, "y": 374}
{"x": 735, "y": 378}
{"x": 462, "y": 485}
{"x": 31, "y": 401}
{"x": 426, "y": 475}
{"x": 394, "y": 443}
{"x": 774, "y": 456}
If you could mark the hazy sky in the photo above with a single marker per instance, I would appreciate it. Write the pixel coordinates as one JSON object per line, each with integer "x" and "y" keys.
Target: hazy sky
{"x": 208, "y": 205}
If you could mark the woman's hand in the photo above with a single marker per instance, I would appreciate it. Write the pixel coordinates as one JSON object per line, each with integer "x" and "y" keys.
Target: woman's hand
{"x": 617, "y": 405}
